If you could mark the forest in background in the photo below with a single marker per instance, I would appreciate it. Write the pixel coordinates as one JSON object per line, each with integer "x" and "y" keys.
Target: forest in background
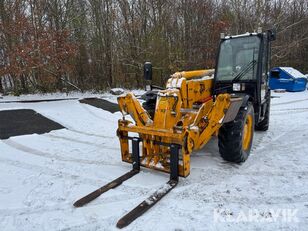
{"x": 97, "y": 44}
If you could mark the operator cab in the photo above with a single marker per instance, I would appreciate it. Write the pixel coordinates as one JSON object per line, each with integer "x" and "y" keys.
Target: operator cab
{"x": 242, "y": 68}
{"x": 238, "y": 59}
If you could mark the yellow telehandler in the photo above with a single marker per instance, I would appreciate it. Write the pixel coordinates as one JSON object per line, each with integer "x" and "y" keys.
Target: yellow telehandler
{"x": 230, "y": 101}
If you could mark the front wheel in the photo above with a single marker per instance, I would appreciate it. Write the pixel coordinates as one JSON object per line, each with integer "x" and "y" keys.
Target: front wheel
{"x": 235, "y": 137}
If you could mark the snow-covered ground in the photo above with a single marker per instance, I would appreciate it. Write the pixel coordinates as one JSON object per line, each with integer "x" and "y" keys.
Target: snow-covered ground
{"x": 71, "y": 95}
{"x": 42, "y": 175}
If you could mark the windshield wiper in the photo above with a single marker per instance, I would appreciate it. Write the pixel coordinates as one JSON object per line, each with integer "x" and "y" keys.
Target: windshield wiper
{"x": 247, "y": 68}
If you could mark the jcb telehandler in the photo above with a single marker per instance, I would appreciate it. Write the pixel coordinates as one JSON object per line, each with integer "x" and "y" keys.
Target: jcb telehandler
{"x": 230, "y": 101}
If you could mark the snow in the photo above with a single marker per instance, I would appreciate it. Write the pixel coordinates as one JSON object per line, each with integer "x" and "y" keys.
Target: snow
{"x": 116, "y": 91}
{"x": 57, "y": 95}
{"x": 240, "y": 35}
{"x": 293, "y": 72}
{"x": 175, "y": 82}
{"x": 42, "y": 175}
{"x": 75, "y": 94}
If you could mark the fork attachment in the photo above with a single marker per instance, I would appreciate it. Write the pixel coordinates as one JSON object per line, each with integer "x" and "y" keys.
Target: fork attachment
{"x": 158, "y": 194}
{"x": 152, "y": 199}
{"x": 115, "y": 183}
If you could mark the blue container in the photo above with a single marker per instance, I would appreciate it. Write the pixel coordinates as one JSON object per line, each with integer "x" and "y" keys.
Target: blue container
{"x": 287, "y": 78}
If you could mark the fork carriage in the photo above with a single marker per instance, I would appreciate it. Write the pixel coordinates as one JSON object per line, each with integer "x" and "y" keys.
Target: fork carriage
{"x": 186, "y": 115}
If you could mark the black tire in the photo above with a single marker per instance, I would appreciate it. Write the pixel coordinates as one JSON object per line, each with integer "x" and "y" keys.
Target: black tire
{"x": 264, "y": 124}
{"x": 230, "y": 136}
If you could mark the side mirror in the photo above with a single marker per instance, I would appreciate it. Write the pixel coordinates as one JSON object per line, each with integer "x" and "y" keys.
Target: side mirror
{"x": 147, "y": 70}
{"x": 271, "y": 34}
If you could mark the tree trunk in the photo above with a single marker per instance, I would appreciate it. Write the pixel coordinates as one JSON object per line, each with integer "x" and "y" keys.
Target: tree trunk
{"x": 1, "y": 86}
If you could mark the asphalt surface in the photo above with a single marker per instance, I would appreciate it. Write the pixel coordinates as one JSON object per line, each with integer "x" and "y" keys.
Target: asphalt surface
{"x": 101, "y": 103}
{"x": 23, "y": 122}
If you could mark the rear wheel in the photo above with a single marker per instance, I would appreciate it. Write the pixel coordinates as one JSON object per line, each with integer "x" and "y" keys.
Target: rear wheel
{"x": 235, "y": 138}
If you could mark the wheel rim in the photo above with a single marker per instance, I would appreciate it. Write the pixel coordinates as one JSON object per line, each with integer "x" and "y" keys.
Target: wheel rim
{"x": 247, "y": 132}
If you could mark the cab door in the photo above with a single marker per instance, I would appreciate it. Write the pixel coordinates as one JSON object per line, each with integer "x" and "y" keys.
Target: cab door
{"x": 264, "y": 72}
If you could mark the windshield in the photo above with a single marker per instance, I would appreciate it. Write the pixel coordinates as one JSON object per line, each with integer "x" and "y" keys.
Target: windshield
{"x": 238, "y": 59}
